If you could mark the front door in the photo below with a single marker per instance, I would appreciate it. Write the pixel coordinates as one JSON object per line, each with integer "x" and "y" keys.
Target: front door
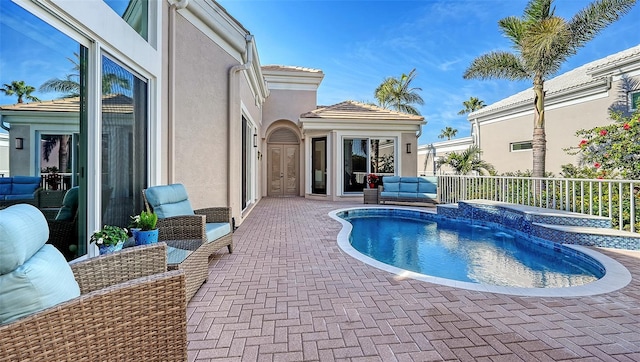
{"x": 282, "y": 165}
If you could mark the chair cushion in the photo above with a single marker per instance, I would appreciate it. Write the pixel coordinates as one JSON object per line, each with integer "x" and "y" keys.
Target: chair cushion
{"x": 25, "y": 184}
{"x": 20, "y": 197}
{"x": 425, "y": 186}
{"x": 23, "y": 231}
{"x": 41, "y": 282}
{"x": 216, "y": 230}
{"x": 407, "y": 195}
{"x": 69, "y": 205}
{"x": 409, "y": 186}
{"x": 169, "y": 200}
{"x": 5, "y": 185}
{"x": 389, "y": 194}
{"x": 391, "y": 183}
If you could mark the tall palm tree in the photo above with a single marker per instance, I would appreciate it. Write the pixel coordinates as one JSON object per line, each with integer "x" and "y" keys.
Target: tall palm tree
{"x": 542, "y": 42}
{"x": 20, "y": 89}
{"x": 466, "y": 161}
{"x": 397, "y": 94}
{"x": 472, "y": 105}
{"x": 448, "y": 132}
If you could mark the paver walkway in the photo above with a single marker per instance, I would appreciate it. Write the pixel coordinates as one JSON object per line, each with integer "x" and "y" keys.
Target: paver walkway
{"x": 288, "y": 293}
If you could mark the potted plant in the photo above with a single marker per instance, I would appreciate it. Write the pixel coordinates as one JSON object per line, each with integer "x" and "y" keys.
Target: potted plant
{"x": 146, "y": 224}
{"x": 372, "y": 180}
{"x": 110, "y": 238}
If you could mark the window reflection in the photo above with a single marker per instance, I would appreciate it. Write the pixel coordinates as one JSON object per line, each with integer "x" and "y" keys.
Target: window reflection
{"x": 134, "y": 12}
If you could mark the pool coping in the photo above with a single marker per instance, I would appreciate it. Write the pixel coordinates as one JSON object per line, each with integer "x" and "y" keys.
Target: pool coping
{"x": 616, "y": 275}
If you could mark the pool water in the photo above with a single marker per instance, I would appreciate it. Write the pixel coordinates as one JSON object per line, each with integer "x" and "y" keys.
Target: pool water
{"x": 468, "y": 253}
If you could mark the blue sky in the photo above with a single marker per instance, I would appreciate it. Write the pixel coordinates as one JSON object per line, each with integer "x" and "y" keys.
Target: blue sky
{"x": 356, "y": 43}
{"x": 359, "y": 43}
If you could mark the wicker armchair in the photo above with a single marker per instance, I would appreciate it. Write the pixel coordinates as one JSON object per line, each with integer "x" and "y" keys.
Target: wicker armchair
{"x": 130, "y": 309}
{"x": 189, "y": 227}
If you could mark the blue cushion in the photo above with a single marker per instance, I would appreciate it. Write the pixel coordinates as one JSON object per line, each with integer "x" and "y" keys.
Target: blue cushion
{"x": 169, "y": 200}
{"x": 20, "y": 197}
{"x": 429, "y": 196}
{"x": 69, "y": 205}
{"x": 391, "y": 183}
{"x": 23, "y": 231}
{"x": 5, "y": 185}
{"x": 389, "y": 194}
{"x": 41, "y": 282}
{"x": 407, "y": 195}
{"x": 408, "y": 186}
{"x": 25, "y": 184}
{"x": 428, "y": 187}
{"x": 216, "y": 230}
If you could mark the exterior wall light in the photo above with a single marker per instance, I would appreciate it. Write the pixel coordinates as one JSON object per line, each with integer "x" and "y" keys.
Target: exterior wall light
{"x": 19, "y": 143}
{"x": 255, "y": 140}
{"x": 408, "y": 147}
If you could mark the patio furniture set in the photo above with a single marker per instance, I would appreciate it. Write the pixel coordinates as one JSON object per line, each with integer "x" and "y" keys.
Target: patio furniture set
{"x": 404, "y": 189}
{"x": 129, "y": 305}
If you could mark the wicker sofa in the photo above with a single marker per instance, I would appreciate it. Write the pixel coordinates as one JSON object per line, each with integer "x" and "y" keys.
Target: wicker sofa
{"x": 130, "y": 309}
{"x": 409, "y": 189}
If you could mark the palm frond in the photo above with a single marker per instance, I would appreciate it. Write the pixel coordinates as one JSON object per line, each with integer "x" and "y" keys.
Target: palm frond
{"x": 497, "y": 65}
{"x": 588, "y": 22}
{"x": 513, "y": 28}
{"x": 537, "y": 10}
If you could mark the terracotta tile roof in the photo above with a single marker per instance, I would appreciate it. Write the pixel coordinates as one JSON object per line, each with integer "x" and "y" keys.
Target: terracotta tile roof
{"x": 114, "y": 103}
{"x": 573, "y": 79}
{"x": 356, "y": 110}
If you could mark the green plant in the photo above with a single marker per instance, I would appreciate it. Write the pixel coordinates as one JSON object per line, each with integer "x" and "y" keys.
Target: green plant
{"x": 147, "y": 220}
{"x": 109, "y": 235}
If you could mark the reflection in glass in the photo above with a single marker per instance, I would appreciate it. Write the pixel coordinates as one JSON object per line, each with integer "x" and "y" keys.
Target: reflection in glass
{"x": 319, "y": 165}
{"x": 124, "y": 143}
{"x": 355, "y": 164}
{"x": 382, "y": 157}
{"x": 134, "y": 12}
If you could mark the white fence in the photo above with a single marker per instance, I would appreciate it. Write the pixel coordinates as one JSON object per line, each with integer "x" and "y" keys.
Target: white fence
{"x": 617, "y": 199}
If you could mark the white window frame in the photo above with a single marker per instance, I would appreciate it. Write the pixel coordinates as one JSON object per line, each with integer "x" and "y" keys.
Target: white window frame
{"x": 632, "y": 105}
{"x": 520, "y": 143}
{"x": 369, "y": 136}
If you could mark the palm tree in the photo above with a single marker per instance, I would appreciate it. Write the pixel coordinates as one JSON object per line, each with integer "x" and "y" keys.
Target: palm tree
{"x": 448, "y": 132}
{"x": 467, "y": 161}
{"x": 472, "y": 105}
{"x": 397, "y": 94}
{"x": 20, "y": 89}
{"x": 542, "y": 42}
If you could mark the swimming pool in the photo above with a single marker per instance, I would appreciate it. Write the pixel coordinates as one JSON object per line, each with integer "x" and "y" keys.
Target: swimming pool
{"x": 422, "y": 245}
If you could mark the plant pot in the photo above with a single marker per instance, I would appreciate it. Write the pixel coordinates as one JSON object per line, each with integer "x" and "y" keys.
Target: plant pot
{"x": 144, "y": 237}
{"x": 372, "y": 185}
{"x": 108, "y": 249}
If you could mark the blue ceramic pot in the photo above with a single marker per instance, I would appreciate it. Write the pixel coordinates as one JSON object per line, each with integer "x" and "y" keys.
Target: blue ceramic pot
{"x": 107, "y": 249}
{"x": 144, "y": 237}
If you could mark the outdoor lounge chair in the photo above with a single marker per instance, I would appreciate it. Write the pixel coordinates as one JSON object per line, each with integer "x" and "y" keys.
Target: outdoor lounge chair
{"x": 123, "y": 306}
{"x": 177, "y": 221}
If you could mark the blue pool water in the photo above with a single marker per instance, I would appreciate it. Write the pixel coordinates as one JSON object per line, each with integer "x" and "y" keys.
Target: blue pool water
{"x": 463, "y": 252}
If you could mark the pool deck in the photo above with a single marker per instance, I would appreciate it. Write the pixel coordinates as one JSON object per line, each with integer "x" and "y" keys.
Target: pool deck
{"x": 289, "y": 293}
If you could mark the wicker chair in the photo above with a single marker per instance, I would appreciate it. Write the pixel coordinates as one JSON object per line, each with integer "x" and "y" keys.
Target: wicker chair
{"x": 189, "y": 227}
{"x": 130, "y": 309}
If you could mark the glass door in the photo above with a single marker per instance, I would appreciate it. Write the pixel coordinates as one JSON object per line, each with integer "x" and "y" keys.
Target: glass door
{"x": 319, "y": 166}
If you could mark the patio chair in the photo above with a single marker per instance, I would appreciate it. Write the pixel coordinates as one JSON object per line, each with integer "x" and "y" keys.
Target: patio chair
{"x": 178, "y": 221}
{"x": 63, "y": 229}
{"x": 129, "y": 307}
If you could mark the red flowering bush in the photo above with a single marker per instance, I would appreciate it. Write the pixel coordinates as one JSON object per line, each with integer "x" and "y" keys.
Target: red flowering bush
{"x": 612, "y": 149}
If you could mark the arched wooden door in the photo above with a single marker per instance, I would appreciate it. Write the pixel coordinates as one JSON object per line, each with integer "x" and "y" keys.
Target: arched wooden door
{"x": 283, "y": 163}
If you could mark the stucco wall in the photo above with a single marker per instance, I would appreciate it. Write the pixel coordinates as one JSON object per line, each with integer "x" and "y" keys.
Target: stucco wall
{"x": 201, "y": 108}
{"x": 408, "y": 161}
{"x": 561, "y": 126}
{"x": 287, "y": 104}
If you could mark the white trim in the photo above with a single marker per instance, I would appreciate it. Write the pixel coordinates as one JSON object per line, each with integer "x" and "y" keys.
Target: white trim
{"x": 521, "y": 150}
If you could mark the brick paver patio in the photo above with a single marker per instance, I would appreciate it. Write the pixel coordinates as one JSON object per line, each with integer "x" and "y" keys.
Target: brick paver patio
{"x": 288, "y": 293}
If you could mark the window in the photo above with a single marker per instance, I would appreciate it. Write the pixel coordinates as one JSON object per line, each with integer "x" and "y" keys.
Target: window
{"x": 319, "y": 165}
{"x": 520, "y": 146}
{"x": 56, "y": 153}
{"x": 363, "y": 156}
{"x": 634, "y": 100}
{"x": 124, "y": 143}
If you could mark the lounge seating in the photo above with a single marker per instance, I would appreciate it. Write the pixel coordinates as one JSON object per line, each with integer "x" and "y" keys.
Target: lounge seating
{"x": 178, "y": 221}
{"x": 409, "y": 189}
{"x": 129, "y": 307}
{"x": 19, "y": 189}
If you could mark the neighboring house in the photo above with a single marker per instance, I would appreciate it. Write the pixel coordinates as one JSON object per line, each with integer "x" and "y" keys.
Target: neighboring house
{"x": 578, "y": 99}
{"x": 429, "y": 155}
{"x": 197, "y": 108}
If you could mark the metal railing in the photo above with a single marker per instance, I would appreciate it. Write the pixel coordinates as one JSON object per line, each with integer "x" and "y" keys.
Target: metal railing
{"x": 616, "y": 199}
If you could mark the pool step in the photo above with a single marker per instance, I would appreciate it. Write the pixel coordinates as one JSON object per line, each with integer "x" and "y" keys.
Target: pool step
{"x": 587, "y": 236}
